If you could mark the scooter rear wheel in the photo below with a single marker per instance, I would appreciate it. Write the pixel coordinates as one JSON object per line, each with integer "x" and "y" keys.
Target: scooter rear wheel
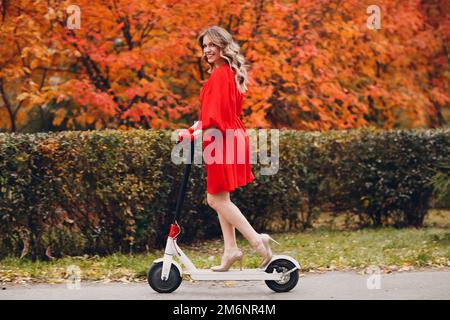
{"x": 159, "y": 285}
{"x": 287, "y": 284}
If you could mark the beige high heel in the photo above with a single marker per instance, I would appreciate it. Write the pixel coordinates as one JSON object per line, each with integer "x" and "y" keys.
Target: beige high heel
{"x": 227, "y": 262}
{"x": 267, "y": 252}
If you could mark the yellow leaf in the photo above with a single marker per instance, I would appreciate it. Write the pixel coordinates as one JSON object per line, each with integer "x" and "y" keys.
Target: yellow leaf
{"x": 59, "y": 117}
{"x": 22, "y": 96}
{"x": 34, "y": 64}
{"x": 98, "y": 125}
{"x": 89, "y": 118}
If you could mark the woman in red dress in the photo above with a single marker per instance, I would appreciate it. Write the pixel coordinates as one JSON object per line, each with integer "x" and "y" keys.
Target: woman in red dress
{"x": 221, "y": 100}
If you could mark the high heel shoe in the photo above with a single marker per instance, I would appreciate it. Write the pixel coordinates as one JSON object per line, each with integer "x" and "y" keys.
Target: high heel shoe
{"x": 267, "y": 251}
{"x": 227, "y": 261}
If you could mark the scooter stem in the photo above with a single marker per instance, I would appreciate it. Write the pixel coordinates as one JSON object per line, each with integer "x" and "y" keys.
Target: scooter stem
{"x": 182, "y": 192}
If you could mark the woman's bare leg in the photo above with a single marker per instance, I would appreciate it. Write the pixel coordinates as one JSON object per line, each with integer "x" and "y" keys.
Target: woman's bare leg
{"x": 228, "y": 232}
{"x": 229, "y": 235}
{"x": 231, "y": 217}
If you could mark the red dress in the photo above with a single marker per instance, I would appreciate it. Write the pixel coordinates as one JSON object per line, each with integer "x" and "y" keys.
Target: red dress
{"x": 221, "y": 107}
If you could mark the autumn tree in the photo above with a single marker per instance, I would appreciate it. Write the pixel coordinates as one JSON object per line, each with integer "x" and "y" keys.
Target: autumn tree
{"x": 315, "y": 65}
{"x": 26, "y": 58}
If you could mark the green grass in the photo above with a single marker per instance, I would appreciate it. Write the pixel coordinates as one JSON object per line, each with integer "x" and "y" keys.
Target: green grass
{"x": 320, "y": 249}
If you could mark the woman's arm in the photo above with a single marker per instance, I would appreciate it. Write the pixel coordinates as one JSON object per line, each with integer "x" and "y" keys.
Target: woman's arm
{"x": 196, "y": 130}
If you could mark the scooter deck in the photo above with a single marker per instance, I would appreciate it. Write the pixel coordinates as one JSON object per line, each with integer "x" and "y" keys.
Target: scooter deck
{"x": 235, "y": 274}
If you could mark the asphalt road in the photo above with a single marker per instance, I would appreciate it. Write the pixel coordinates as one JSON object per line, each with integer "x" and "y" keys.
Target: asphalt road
{"x": 431, "y": 284}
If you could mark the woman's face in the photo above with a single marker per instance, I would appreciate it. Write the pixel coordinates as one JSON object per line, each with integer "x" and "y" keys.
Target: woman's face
{"x": 212, "y": 52}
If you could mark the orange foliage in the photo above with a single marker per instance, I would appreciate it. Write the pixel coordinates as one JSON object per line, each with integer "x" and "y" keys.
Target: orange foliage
{"x": 315, "y": 65}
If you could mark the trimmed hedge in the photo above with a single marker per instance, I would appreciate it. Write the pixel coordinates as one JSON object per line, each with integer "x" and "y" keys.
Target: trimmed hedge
{"x": 99, "y": 192}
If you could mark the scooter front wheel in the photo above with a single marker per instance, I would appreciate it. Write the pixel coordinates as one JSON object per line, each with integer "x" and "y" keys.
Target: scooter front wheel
{"x": 288, "y": 282}
{"x": 159, "y": 285}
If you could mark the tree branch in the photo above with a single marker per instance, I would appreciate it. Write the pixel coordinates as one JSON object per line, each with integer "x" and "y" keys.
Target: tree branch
{"x": 56, "y": 69}
{"x": 8, "y": 106}
{"x": 126, "y": 32}
{"x": 4, "y": 7}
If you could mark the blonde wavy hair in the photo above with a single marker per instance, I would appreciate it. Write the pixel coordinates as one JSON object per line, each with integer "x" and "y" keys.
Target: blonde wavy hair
{"x": 229, "y": 50}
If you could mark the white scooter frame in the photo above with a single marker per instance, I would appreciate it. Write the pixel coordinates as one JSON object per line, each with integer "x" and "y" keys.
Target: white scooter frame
{"x": 173, "y": 250}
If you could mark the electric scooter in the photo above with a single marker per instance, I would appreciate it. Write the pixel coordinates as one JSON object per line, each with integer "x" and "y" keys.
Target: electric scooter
{"x": 165, "y": 274}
